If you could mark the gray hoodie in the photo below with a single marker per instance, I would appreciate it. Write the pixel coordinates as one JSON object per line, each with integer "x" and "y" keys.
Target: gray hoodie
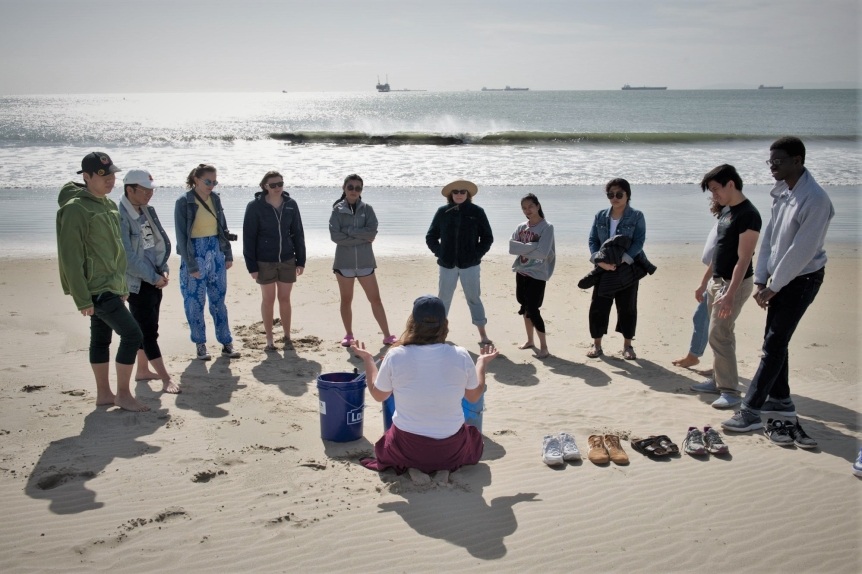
{"x": 352, "y": 232}
{"x": 535, "y": 249}
{"x": 793, "y": 239}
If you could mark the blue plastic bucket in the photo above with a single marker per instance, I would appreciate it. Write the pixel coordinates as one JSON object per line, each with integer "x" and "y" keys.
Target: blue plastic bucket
{"x": 342, "y": 404}
{"x": 472, "y": 412}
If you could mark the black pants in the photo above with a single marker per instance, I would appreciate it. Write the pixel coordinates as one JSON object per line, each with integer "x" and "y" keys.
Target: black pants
{"x": 530, "y": 293}
{"x": 627, "y": 312}
{"x": 785, "y": 310}
{"x": 109, "y": 315}
{"x": 144, "y": 306}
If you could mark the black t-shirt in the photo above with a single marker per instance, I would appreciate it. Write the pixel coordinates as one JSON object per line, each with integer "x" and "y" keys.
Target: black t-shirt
{"x": 733, "y": 223}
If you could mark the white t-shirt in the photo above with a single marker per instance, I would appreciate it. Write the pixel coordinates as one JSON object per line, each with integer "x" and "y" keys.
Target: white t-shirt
{"x": 614, "y": 224}
{"x": 428, "y": 382}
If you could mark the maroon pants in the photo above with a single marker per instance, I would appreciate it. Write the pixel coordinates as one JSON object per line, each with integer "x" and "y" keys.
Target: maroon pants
{"x": 402, "y": 450}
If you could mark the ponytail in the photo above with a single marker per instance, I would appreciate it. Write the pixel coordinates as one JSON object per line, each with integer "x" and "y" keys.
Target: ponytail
{"x": 201, "y": 169}
{"x": 351, "y": 177}
{"x": 535, "y": 201}
{"x": 343, "y": 195}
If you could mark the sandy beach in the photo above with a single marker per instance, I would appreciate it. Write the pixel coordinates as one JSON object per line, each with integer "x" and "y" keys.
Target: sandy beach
{"x": 231, "y": 475}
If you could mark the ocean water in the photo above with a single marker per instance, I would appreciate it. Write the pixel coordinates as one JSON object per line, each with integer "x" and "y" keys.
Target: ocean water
{"x": 562, "y": 146}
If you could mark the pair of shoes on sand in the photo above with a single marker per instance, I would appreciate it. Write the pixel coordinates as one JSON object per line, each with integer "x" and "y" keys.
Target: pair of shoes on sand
{"x": 226, "y": 351}
{"x": 654, "y": 445}
{"x": 709, "y": 441}
{"x": 787, "y": 433}
{"x": 628, "y": 353}
{"x": 348, "y": 340}
{"x": 606, "y": 448}
{"x": 556, "y": 449}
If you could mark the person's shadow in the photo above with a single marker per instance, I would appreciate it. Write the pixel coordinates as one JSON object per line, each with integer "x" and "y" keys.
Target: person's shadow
{"x": 590, "y": 375}
{"x": 204, "y": 391}
{"x": 462, "y": 518}
{"x": 67, "y": 464}
{"x": 507, "y": 372}
{"x": 658, "y": 378}
{"x": 291, "y": 373}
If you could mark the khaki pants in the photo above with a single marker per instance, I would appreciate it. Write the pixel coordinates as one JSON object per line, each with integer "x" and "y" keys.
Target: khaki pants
{"x": 722, "y": 339}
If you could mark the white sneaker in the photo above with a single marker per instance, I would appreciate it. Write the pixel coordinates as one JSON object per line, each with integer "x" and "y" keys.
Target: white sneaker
{"x": 551, "y": 451}
{"x": 569, "y": 448}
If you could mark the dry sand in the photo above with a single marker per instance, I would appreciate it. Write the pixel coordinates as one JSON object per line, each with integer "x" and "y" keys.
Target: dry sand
{"x": 231, "y": 475}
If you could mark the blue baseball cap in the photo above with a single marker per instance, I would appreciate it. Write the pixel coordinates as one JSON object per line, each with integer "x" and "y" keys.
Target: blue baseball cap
{"x": 429, "y": 310}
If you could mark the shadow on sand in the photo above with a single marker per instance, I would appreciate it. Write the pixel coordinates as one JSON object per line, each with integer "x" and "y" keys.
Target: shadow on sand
{"x": 204, "y": 391}
{"x": 291, "y": 373}
{"x": 67, "y": 464}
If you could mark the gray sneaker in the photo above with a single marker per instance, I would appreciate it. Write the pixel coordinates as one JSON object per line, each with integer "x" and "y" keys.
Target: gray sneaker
{"x": 773, "y": 407}
{"x": 743, "y": 420}
{"x": 779, "y": 432}
{"x": 202, "y": 352}
{"x": 229, "y": 351}
{"x": 693, "y": 442}
{"x": 713, "y": 441}
{"x": 568, "y": 447}
{"x": 708, "y": 386}
{"x": 551, "y": 451}
{"x": 800, "y": 439}
{"x": 726, "y": 401}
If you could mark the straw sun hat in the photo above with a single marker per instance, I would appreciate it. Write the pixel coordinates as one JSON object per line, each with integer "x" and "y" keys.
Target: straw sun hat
{"x": 460, "y": 184}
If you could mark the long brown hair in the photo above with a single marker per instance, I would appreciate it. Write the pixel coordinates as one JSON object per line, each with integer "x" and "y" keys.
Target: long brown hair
{"x": 418, "y": 334}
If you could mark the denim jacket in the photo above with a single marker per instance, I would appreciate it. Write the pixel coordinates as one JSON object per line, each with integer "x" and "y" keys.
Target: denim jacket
{"x": 631, "y": 224}
{"x": 138, "y": 268}
{"x": 184, "y": 217}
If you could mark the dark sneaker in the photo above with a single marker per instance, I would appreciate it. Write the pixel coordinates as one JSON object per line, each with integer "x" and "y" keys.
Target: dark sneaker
{"x": 229, "y": 351}
{"x": 693, "y": 442}
{"x": 779, "y": 432}
{"x": 773, "y": 407}
{"x": 742, "y": 420}
{"x": 202, "y": 352}
{"x": 799, "y": 437}
{"x": 713, "y": 441}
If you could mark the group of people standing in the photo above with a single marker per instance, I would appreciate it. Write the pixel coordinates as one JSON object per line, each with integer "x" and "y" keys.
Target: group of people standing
{"x": 108, "y": 255}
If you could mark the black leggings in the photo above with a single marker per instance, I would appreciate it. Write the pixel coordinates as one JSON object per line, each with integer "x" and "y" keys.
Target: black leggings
{"x": 530, "y": 293}
{"x": 109, "y": 315}
{"x": 627, "y": 312}
{"x": 144, "y": 306}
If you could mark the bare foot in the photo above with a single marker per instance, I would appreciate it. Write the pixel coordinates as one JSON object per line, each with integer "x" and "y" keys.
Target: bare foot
{"x": 441, "y": 477}
{"x": 105, "y": 399}
{"x": 528, "y": 345}
{"x": 418, "y": 477}
{"x": 147, "y": 376}
{"x": 687, "y": 361}
{"x": 130, "y": 403}
{"x": 170, "y": 387}
{"x": 542, "y": 353}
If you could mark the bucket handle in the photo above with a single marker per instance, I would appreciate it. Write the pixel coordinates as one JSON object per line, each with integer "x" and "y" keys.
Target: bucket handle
{"x": 345, "y": 401}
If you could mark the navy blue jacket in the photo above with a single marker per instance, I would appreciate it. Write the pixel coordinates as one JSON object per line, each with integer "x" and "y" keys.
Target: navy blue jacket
{"x": 459, "y": 235}
{"x": 185, "y": 211}
{"x": 272, "y": 235}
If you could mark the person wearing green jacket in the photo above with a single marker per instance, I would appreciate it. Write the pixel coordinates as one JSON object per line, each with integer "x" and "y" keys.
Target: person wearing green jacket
{"x": 92, "y": 264}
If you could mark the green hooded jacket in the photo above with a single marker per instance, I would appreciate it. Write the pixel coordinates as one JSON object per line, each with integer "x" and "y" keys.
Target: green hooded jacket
{"x": 89, "y": 249}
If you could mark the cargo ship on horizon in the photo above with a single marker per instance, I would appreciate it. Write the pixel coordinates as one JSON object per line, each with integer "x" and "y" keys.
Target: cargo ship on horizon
{"x": 506, "y": 89}
{"x": 628, "y": 87}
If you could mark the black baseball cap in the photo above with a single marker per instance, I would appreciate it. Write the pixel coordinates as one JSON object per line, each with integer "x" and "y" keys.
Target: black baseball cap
{"x": 429, "y": 310}
{"x": 99, "y": 163}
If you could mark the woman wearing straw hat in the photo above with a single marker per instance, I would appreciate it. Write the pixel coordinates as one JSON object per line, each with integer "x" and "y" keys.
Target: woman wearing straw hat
{"x": 459, "y": 236}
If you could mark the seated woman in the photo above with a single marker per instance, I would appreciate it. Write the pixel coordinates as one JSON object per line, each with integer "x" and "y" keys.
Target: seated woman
{"x": 429, "y": 378}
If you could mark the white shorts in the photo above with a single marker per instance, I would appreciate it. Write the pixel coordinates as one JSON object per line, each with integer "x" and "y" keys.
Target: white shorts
{"x": 350, "y": 273}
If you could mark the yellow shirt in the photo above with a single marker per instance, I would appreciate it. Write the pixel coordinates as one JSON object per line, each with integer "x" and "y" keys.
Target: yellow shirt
{"x": 205, "y": 224}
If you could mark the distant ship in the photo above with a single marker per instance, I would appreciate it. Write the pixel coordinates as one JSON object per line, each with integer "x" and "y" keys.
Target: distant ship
{"x": 382, "y": 87}
{"x": 506, "y": 89}
{"x": 628, "y": 87}
{"x": 762, "y": 87}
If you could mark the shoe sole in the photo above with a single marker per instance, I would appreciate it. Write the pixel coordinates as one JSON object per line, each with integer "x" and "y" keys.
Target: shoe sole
{"x": 720, "y": 450}
{"x": 751, "y": 427}
{"x": 857, "y": 471}
{"x": 806, "y": 446}
{"x": 572, "y": 457}
{"x": 780, "y": 413}
{"x": 723, "y": 407}
{"x": 780, "y": 443}
{"x": 552, "y": 462}
{"x": 698, "y": 452}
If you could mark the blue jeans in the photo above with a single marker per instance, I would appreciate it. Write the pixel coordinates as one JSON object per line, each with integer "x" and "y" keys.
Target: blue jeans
{"x": 700, "y": 333}
{"x": 212, "y": 284}
{"x": 470, "y": 284}
{"x": 783, "y": 315}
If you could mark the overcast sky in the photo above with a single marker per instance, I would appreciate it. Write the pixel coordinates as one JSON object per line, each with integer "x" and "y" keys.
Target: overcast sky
{"x": 82, "y": 46}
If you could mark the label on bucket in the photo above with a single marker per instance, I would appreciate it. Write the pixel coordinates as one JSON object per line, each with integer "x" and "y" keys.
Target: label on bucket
{"x": 322, "y": 407}
{"x": 354, "y": 417}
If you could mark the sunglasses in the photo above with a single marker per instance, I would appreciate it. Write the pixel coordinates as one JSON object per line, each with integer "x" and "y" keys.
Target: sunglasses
{"x": 618, "y": 195}
{"x": 777, "y": 162}
{"x": 459, "y": 191}
{"x": 349, "y": 187}
{"x": 211, "y": 182}
{"x": 276, "y": 184}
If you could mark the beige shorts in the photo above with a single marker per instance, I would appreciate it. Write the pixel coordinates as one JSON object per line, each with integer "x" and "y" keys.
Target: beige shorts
{"x": 271, "y": 272}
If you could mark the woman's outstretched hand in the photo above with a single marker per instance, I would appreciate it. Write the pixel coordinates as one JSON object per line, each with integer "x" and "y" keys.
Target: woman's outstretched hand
{"x": 487, "y": 354}
{"x": 358, "y": 348}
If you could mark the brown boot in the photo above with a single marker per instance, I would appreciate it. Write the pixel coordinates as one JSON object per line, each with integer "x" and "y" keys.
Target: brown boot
{"x": 615, "y": 450}
{"x": 598, "y": 452}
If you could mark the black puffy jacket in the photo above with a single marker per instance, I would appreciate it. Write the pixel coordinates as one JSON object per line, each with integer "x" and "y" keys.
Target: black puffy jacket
{"x": 272, "y": 235}
{"x": 459, "y": 235}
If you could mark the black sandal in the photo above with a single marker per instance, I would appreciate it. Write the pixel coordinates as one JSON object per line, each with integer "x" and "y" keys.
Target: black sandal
{"x": 648, "y": 446}
{"x": 668, "y": 445}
